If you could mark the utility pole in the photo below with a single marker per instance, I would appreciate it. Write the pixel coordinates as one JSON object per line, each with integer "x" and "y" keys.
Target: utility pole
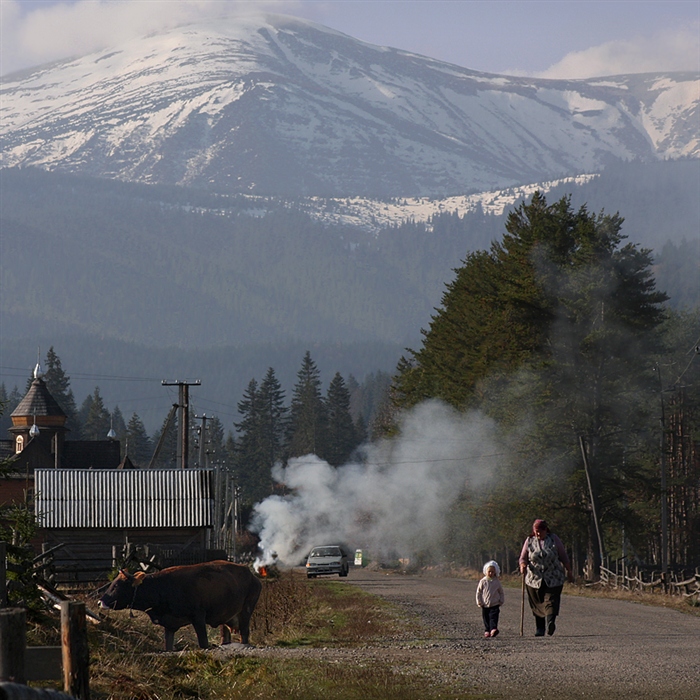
{"x": 664, "y": 486}
{"x": 594, "y": 510}
{"x": 203, "y": 459}
{"x": 183, "y": 442}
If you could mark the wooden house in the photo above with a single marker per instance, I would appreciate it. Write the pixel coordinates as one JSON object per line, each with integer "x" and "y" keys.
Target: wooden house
{"x": 93, "y": 504}
{"x": 97, "y": 513}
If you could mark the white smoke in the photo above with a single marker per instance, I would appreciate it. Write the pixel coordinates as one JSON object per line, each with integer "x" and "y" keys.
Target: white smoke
{"x": 395, "y": 501}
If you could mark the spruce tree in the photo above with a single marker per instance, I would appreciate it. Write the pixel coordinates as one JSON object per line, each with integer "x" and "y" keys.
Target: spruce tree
{"x": 137, "y": 443}
{"x": 119, "y": 426}
{"x": 342, "y": 438}
{"x": 58, "y": 384}
{"x": 250, "y": 454}
{"x": 273, "y": 420}
{"x": 5, "y": 420}
{"x": 13, "y": 399}
{"x": 214, "y": 445}
{"x": 94, "y": 417}
{"x": 308, "y": 423}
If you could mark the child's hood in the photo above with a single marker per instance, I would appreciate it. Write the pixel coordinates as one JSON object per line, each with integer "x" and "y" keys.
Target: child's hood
{"x": 495, "y": 565}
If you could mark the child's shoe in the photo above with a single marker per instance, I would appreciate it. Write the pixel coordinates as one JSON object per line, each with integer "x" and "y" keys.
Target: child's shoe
{"x": 487, "y": 635}
{"x": 494, "y": 633}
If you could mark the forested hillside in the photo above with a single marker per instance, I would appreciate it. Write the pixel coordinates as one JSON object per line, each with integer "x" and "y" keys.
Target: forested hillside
{"x": 195, "y": 270}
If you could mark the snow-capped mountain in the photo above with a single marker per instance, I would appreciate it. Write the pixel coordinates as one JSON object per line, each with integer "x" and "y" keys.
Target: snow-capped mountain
{"x": 280, "y": 106}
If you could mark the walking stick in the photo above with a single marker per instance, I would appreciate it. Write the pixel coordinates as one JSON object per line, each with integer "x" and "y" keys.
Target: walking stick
{"x": 522, "y": 607}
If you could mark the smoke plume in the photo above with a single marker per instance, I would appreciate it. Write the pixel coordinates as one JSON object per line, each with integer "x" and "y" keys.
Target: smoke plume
{"x": 393, "y": 502}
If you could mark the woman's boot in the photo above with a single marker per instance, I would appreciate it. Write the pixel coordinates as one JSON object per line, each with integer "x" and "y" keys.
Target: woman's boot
{"x": 550, "y": 624}
{"x": 539, "y": 626}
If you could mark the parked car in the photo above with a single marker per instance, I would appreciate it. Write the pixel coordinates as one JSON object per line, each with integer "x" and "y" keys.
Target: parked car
{"x": 327, "y": 559}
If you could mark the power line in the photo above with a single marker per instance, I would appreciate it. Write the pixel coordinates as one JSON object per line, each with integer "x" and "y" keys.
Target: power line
{"x": 24, "y": 371}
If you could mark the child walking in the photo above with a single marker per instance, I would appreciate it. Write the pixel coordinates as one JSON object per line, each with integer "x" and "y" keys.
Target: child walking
{"x": 490, "y": 597}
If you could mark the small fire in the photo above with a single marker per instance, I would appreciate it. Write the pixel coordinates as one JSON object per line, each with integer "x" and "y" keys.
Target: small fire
{"x": 264, "y": 563}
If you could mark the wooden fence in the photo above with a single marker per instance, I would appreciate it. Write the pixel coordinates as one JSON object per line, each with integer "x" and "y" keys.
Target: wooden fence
{"x": 20, "y": 663}
{"x": 629, "y": 578}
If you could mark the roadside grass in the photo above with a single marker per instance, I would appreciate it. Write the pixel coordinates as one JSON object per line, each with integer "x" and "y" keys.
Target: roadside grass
{"x": 127, "y": 662}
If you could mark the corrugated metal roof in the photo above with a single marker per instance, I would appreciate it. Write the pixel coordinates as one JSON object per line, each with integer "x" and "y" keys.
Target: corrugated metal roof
{"x": 111, "y": 498}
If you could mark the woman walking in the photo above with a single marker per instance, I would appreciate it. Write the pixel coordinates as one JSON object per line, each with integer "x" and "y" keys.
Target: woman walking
{"x": 545, "y": 565}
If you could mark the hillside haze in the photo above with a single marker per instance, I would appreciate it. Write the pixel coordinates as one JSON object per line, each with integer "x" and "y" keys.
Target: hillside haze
{"x": 280, "y": 106}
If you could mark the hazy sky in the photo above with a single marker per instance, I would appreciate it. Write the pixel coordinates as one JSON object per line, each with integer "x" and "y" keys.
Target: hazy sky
{"x": 555, "y": 38}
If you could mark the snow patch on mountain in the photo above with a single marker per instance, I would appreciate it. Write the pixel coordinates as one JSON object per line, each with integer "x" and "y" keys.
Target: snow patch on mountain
{"x": 374, "y": 215}
{"x": 286, "y": 107}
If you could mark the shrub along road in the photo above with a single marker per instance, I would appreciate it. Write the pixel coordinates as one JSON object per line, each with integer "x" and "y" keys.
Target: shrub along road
{"x": 602, "y": 648}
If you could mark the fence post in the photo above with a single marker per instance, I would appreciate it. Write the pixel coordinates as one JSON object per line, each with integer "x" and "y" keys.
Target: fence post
{"x": 13, "y": 642}
{"x": 76, "y": 657}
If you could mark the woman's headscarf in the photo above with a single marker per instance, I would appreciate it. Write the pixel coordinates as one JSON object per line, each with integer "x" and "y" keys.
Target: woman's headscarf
{"x": 539, "y": 525}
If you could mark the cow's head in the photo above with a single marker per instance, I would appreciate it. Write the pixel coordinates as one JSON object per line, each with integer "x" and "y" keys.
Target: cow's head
{"x": 120, "y": 593}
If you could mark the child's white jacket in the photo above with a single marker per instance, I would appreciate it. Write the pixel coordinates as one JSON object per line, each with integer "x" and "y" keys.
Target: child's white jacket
{"x": 489, "y": 593}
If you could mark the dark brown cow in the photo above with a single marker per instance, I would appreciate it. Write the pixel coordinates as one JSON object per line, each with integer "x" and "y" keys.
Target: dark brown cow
{"x": 215, "y": 593}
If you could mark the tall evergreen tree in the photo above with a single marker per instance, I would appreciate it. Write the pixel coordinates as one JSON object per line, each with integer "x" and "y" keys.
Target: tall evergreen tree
{"x": 368, "y": 401}
{"x": 342, "y": 438}
{"x": 554, "y": 328}
{"x": 250, "y": 447}
{"x": 208, "y": 448}
{"x": 273, "y": 419}
{"x": 94, "y": 417}
{"x": 308, "y": 422}
{"x": 137, "y": 443}
{"x": 58, "y": 384}
{"x": 506, "y": 305}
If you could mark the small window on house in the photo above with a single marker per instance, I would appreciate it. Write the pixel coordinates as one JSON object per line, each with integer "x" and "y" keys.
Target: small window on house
{"x": 19, "y": 444}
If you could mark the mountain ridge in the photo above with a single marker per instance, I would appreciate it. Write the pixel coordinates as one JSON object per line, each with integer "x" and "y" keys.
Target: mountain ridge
{"x": 284, "y": 107}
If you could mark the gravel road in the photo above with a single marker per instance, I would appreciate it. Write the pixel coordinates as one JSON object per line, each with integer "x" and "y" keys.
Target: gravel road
{"x": 602, "y": 648}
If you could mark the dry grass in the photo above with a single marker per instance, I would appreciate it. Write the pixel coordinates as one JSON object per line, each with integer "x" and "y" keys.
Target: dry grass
{"x": 127, "y": 662}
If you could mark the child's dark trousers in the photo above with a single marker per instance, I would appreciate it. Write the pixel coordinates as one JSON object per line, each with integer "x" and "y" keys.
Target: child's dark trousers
{"x": 490, "y": 616}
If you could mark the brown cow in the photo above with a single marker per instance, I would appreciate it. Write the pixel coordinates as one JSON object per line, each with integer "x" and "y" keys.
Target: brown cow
{"x": 214, "y": 593}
